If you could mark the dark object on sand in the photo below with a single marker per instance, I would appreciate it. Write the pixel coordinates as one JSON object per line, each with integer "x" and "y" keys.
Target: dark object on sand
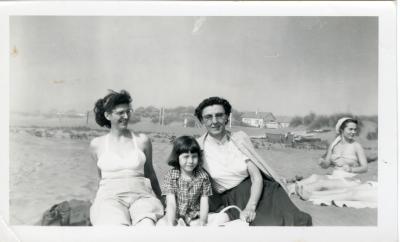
{"x": 68, "y": 213}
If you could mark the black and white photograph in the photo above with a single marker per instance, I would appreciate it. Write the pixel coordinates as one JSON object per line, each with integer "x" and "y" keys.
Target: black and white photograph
{"x": 224, "y": 121}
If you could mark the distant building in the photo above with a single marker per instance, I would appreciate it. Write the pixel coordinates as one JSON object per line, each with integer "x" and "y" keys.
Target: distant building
{"x": 258, "y": 119}
{"x": 272, "y": 125}
{"x": 283, "y": 122}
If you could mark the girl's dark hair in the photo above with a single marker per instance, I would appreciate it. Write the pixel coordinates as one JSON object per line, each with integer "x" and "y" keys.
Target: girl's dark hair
{"x": 344, "y": 124}
{"x": 108, "y": 103}
{"x": 212, "y": 101}
{"x": 184, "y": 144}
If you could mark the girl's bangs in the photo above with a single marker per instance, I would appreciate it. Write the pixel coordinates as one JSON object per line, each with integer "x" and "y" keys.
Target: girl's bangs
{"x": 191, "y": 147}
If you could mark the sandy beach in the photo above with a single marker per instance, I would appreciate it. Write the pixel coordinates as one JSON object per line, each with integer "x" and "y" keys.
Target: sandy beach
{"x": 49, "y": 165}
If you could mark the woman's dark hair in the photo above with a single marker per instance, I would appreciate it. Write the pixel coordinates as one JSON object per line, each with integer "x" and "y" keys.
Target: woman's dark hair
{"x": 184, "y": 144}
{"x": 344, "y": 124}
{"x": 108, "y": 103}
{"x": 212, "y": 101}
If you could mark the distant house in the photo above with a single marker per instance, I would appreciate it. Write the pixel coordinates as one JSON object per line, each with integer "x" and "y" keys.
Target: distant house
{"x": 258, "y": 119}
{"x": 272, "y": 125}
{"x": 283, "y": 121}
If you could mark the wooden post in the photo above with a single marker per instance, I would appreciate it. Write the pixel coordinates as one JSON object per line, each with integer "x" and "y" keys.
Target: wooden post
{"x": 162, "y": 116}
{"x": 159, "y": 116}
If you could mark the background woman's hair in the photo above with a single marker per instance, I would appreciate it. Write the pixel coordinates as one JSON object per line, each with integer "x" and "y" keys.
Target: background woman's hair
{"x": 344, "y": 124}
{"x": 212, "y": 101}
{"x": 108, "y": 103}
{"x": 184, "y": 144}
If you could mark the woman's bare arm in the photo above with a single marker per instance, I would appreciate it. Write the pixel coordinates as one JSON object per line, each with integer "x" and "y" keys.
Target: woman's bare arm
{"x": 93, "y": 155}
{"x": 94, "y": 144}
{"x": 325, "y": 163}
{"x": 148, "y": 166}
{"x": 361, "y": 159}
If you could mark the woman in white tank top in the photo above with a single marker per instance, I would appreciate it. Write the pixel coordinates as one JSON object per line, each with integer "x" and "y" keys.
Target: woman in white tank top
{"x": 128, "y": 191}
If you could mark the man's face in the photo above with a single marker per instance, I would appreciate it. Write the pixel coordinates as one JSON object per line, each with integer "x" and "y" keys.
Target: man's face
{"x": 214, "y": 119}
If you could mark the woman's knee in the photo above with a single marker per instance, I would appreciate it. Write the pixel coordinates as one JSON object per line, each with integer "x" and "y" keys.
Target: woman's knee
{"x": 146, "y": 222}
{"x": 303, "y": 219}
{"x": 150, "y": 208}
{"x": 109, "y": 214}
{"x": 162, "y": 221}
{"x": 317, "y": 177}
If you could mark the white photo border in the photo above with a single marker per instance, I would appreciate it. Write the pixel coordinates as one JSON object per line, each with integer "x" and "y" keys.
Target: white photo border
{"x": 387, "y": 168}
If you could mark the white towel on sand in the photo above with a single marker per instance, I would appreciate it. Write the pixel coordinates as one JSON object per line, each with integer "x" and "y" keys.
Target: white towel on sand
{"x": 350, "y": 204}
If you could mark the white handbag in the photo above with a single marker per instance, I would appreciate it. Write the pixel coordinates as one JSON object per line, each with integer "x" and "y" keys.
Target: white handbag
{"x": 220, "y": 219}
{"x": 237, "y": 222}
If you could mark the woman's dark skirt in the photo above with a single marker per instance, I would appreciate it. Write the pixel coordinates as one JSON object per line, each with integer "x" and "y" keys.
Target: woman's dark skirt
{"x": 274, "y": 208}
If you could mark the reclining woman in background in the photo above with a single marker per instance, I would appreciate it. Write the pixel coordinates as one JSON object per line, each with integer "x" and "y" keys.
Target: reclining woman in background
{"x": 348, "y": 159}
{"x": 128, "y": 191}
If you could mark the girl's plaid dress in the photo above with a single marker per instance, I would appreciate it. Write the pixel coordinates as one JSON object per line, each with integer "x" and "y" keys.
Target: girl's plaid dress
{"x": 187, "y": 193}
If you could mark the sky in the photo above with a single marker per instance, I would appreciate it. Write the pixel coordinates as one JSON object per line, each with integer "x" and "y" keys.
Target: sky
{"x": 284, "y": 65}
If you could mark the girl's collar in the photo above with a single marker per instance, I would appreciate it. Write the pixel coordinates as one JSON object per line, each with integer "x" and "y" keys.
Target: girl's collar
{"x": 197, "y": 173}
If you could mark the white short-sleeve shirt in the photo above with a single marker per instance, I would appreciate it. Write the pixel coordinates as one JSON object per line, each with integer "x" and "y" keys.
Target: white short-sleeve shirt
{"x": 225, "y": 163}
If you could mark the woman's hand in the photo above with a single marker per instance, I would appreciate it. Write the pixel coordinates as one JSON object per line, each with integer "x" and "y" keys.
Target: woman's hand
{"x": 248, "y": 215}
{"x": 346, "y": 168}
{"x": 323, "y": 163}
{"x": 339, "y": 162}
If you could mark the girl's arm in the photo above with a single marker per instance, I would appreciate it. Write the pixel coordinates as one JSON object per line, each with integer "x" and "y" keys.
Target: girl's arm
{"x": 249, "y": 213}
{"x": 361, "y": 159}
{"x": 203, "y": 210}
{"x": 148, "y": 166}
{"x": 171, "y": 209}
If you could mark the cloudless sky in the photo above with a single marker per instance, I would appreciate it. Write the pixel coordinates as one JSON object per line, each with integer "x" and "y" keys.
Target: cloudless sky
{"x": 284, "y": 65}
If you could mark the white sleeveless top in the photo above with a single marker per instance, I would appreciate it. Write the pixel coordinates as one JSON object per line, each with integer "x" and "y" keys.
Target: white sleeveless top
{"x": 113, "y": 165}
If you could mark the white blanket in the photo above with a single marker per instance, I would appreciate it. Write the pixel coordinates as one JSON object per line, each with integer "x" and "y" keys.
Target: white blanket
{"x": 351, "y": 204}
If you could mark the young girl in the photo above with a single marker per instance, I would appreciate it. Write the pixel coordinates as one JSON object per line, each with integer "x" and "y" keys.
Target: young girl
{"x": 186, "y": 186}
